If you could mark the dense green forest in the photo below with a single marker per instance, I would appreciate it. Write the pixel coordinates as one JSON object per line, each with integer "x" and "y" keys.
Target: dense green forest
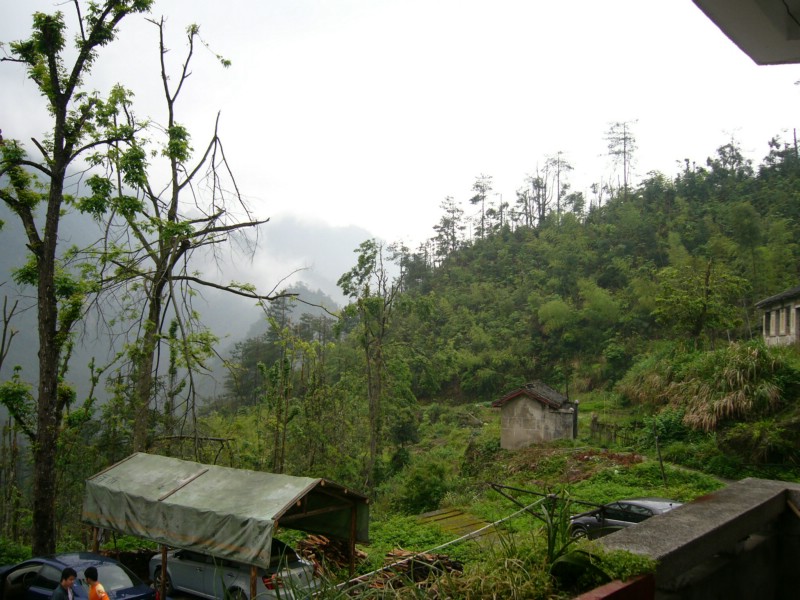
{"x": 639, "y": 300}
{"x": 626, "y": 296}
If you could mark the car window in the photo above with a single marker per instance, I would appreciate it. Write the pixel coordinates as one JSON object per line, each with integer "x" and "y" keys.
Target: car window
{"x": 194, "y": 556}
{"x": 635, "y": 513}
{"x": 48, "y": 577}
{"x": 616, "y": 512}
{"x": 21, "y": 578}
{"x": 115, "y": 577}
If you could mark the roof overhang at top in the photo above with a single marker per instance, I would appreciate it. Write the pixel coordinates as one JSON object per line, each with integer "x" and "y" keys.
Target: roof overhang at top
{"x": 535, "y": 390}
{"x": 225, "y": 512}
{"x": 789, "y": 294}
{"x": 768, "y": 31}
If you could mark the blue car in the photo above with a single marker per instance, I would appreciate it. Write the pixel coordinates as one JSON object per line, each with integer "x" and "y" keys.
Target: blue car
{"x": 35, "y": 579}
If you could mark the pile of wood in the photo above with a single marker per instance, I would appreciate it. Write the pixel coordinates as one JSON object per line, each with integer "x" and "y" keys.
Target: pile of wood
{"x": 401, "y": 568}
{"x": 405, "y": 568}
{"x": 419, "y": 567}
{"x": 327, "y": 554}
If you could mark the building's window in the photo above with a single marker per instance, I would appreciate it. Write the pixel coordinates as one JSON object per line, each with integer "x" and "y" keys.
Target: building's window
{"x": 767, "y": 323}
{"x": 787, "y": 316}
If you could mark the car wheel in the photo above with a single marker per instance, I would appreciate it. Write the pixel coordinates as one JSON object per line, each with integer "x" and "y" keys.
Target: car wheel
{"x": 579, "y": 531}
{"x": 168, "y": 582}
{"x": 237, "y": 594}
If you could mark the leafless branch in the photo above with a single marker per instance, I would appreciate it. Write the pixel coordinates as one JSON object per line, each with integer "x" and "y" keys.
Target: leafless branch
{"x": 234, "y": 290}
{"x": 7, "y": 335}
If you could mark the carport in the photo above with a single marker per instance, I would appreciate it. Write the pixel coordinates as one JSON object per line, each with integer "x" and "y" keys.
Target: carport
{"x": 224, "y": 512}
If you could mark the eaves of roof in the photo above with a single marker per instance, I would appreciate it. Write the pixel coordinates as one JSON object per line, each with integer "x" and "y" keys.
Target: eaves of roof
{"x": 785, "y": 295}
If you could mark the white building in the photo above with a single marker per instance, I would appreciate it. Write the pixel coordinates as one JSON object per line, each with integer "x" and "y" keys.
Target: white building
{"x": 781, "y": 315}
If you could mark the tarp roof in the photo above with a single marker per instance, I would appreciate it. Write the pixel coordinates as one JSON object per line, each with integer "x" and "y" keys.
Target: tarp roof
{"x": 225, "y": 512}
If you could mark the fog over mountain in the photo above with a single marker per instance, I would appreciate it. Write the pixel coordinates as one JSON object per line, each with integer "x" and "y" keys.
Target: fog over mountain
{"x": 290, "y": 253}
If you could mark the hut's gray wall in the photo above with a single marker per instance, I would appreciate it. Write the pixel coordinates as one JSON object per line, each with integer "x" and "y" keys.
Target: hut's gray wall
{"x": 524, "y": 422}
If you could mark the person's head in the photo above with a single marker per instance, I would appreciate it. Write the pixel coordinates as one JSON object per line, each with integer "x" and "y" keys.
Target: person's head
{"x": 90, "y": 574}
{"x": 68, "y": 576}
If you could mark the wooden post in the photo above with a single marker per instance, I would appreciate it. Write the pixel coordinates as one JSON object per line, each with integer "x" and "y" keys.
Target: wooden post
{"x": 253, "y": 577}
{"x": 162, "y": 589}
{"x": 658, "y": 452}
{"x": 95, "y": 539}
{"x": 352, "y": 544}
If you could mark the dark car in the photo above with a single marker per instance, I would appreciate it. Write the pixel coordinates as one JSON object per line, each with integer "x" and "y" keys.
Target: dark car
{"x": 35, "y": 579}
{"x": 616, "y": 515}
{"x": 288, "y": 576}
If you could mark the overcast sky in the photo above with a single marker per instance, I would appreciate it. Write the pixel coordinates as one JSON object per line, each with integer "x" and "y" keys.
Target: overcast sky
{"x": 368, "y": 113}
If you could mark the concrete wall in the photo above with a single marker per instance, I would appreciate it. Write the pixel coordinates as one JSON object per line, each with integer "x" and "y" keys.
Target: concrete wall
{"x": 524, "y": 422}
{"x": 742, "y": 542}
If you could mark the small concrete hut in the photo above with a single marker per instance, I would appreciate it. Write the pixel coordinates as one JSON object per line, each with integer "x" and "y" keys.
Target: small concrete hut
{"x": 535, "y": 413}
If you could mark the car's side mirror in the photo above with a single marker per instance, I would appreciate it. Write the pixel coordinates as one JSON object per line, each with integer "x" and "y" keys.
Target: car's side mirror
{"x": 598, "y": 517}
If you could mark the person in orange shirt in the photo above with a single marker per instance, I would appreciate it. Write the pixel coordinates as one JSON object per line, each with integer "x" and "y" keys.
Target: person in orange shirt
{"x": 96, "y": 589}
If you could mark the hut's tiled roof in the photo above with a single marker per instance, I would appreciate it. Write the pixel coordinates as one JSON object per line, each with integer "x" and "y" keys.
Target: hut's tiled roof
{"x": 536, "y": 390}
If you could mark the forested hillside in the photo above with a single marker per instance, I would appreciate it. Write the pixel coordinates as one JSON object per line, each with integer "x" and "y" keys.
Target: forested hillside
{"x": 643, "y": 295}
{"x": 647, "y": 294}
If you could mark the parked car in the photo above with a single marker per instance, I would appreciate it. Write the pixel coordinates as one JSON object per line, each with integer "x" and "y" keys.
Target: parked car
{"x": 288, "y": 576}
{"x": 616, "y": 515}
{"x": 35, "y": 579}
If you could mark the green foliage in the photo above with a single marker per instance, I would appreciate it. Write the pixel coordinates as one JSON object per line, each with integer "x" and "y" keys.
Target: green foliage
{"x": 178, "y": 148}
{"x": 622, "y": 565}
{"x": 11, "y": 552}
{"x": 699, "y": 299}
{"x": 644, "y": 479}
{"x": 128, "y": 543}
{"x": 96, "y": 204}
{"x": 398, "y": 531}
{"x": 512, "y": 568}
{"x": 480, "y": 455}
{"x": 422, "y": 485}
{"x": 578, "y": 569}
{"x": 743, "y": 381}
{"x": 668, "y": 425}
{"x": 589, "y": 565}
{"x": 16, "y": 396}
{"x": 555, "y": 511}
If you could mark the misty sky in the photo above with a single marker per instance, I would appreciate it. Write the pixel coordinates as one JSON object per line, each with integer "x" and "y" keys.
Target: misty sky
{"x": 365, "y": 114}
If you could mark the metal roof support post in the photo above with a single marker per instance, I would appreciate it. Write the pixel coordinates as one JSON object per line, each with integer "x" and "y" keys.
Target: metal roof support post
{"x": 253, "y": 575}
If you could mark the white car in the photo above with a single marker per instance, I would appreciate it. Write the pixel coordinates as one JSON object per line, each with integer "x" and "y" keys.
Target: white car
{"x": 289, "y": 576}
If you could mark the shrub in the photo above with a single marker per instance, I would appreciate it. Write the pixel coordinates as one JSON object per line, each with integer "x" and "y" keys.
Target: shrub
{"x": 12, "y": 552}
{"x": 421, "y": 487}
{"x": 667, "y": 425}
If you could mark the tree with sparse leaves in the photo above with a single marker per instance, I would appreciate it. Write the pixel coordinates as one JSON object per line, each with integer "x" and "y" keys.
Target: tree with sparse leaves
{"x": 372, "y": 292}
{"x": 158, "y": 234}
{"x": 621, "y": 148}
